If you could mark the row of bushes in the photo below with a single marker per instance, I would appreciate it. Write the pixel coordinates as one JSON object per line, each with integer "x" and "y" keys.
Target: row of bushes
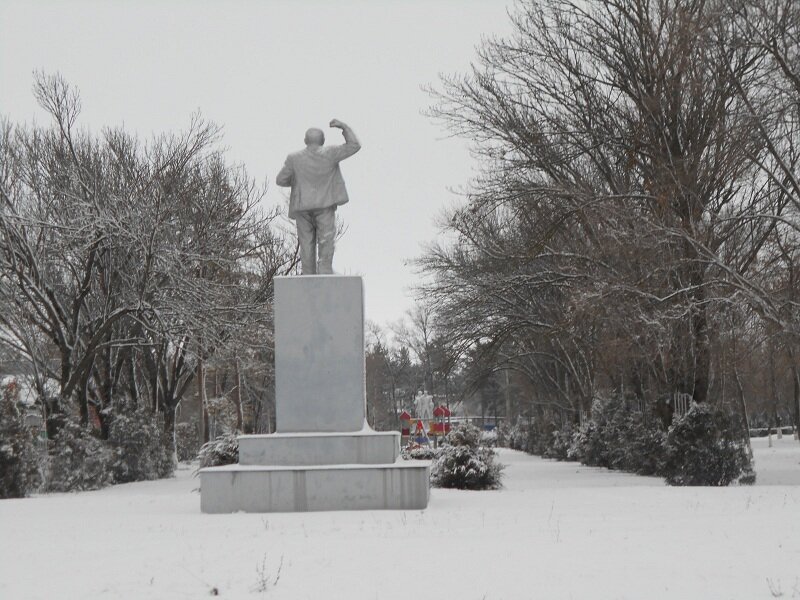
{"x": 705, "y": 446}
{"x": 76, "y": 459}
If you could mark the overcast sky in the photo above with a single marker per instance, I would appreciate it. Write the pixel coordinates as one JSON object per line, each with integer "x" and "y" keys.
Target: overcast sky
{"x": 266, "y": 71}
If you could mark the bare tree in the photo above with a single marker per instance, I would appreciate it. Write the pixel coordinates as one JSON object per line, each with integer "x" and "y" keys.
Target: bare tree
{"x": 619, "y": 209}
{"x": 136, "y": 261}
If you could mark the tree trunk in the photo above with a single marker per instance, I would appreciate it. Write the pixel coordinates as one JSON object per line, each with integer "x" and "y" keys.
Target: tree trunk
{"x": 507, "y": 397}
{"x": 83, "y": 405}
{"x": 202, "y": 398}
{"x": 773, "y": 388}
{"x": 169, "y": 421}
{"x": 702, "y": 351}
{"x": 743, "y": 407}
{"x": 238, "y": 395}
{"x": 169, "y": 429}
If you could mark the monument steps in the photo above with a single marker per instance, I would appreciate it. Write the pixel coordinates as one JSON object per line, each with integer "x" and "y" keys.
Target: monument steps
{"x": 257, "y": 488}
{"x": 310, "y": 448}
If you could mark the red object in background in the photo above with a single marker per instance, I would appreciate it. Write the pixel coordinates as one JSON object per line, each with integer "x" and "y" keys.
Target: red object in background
{"x": 440, "y": 428}
{"x": 405, "y": 431}
{"x": 404, "y": 416}
{"x": 438, "y": 411}
{"x": 446, "y": 410}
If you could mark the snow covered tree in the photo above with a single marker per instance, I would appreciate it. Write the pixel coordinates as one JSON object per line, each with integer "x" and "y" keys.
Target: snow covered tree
{"x": 462, "y": 463}
{"x": 631, "y": 193}
{"x": 704, "y": 447}
{"x": 136, "y": 262}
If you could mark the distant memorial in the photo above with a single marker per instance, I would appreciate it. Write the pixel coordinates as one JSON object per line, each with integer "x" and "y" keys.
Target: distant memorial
{"x": 324, "y": 455}
{"x": 423, "y": 405}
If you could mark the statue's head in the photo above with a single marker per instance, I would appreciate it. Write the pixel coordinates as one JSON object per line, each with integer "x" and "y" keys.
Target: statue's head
{"x": 314, "y": 137}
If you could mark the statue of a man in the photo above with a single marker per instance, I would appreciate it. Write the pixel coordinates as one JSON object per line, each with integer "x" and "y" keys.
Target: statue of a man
{"x": 317, "y": 189}
{"x": 423, "y": 404}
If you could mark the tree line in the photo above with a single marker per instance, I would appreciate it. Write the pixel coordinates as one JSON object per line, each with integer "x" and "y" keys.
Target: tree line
{"x": 634, "y": 227}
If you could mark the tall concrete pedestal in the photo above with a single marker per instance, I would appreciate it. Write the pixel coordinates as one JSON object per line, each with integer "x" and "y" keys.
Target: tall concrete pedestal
{"x": 324, "y": 455}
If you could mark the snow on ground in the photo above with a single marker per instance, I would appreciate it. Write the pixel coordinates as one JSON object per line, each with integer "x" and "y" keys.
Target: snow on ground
{"x": 778, "y": 465}
{"x": 557, "y": 530}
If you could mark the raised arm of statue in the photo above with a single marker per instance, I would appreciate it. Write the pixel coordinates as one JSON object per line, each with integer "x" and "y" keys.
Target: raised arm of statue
{"x": 351, "y": 144}
{"x": 286, "y": 176}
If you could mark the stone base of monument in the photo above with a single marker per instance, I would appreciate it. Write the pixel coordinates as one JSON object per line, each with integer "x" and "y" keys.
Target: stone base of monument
{"x": 292, "y": 472}
{"x": 324, "y": 457}
{"x": 255, "y": 488}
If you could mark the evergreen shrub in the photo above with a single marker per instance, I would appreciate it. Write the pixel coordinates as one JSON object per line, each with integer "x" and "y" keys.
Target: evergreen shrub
{"x": 561, "y": 442}
{"x": 141, "y": 449}
{"x": 419, "y": 453}
{"x": 647, "y": 451}
{"x": 19, "y": 459}
{"x": 463, "y": 464}
{"x": 518, "y": 436}
{"x": 533, "y": 437}
{"x": 489, "y": 438}
{"x": 618, "y": 438}
{"x": 589, "y": 446}
{"x": 704, "y": 447}
{"x": 466, "y": 468}
{"x": 222, "y": 451}
{"x": 464, "y": 434}
{"x": 78, "y": 461}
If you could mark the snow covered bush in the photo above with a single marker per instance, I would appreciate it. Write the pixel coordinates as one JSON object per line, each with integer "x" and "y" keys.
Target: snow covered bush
{"x": 141, "y": 448}
{"x": 518, "y": 437}
{"x": 222, "y": 451}
{"x": 463, "y": 464}
{"x": 618, "y": 438}
{"x": 418, "y": 452}
{"x": 532, "y": 437}
{"x": 464, "y": 434}
{"x": 489, "y": 438}
{"x": 546, "y": 432}
{"x": 187, "y": 441}
{"x": 589, "y": 446}
{"x": 466, "y": 468}
{"x": 19, "y": 460}
{"x": 561, "y": 442}
{"x": 647, "y": 451}
{"x": 78, "y": 461}
{"x": 704, "y": 447}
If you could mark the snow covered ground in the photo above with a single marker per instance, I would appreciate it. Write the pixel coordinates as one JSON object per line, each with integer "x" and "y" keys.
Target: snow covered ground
{"x": 557, "y": 530}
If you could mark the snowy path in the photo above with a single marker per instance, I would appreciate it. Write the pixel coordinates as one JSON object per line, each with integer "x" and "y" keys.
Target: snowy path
{"x": 557, "y": 530}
